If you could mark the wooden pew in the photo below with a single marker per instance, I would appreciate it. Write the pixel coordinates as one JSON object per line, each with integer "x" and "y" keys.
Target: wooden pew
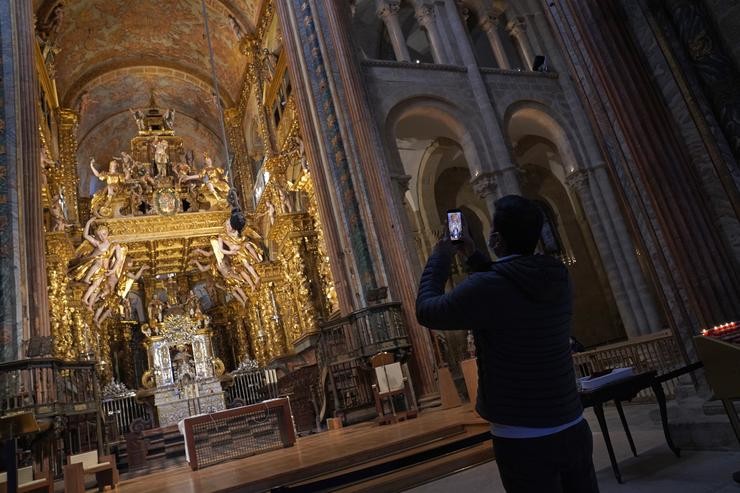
{"x": 104, "y": 468}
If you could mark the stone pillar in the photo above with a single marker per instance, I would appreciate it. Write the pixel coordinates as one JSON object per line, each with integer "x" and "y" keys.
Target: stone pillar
{"x": 627, "y": 281}
{"x": 388, "y": 11}
{"x": 68, "y": 120}
{"x": 498, "y": 155}
{"x": 425, "y": 16}
{"x": 518, "y": 30}
{"x": 489, "y": 23}
{"x": 24, "y": 288}
{"x": 486, "y": 187}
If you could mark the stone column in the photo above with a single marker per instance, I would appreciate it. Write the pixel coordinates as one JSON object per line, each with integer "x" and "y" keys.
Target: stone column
{"x": 388, "y": 11}
{"x": 489, "y": 23}
{"x": 616, "y": 250}
{"x": 27, "y": 160}
{"x": 518, "y": 30}
{"x": 425, "y": 16}
{"x": 68, "y": 120}
{"x": 486, "y": 187}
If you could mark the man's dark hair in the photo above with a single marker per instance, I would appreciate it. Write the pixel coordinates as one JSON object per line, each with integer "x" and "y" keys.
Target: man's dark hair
{"x": 519, "y": 222}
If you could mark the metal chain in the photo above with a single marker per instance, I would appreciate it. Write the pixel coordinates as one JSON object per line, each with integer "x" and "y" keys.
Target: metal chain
{"x": 218, "y": 97}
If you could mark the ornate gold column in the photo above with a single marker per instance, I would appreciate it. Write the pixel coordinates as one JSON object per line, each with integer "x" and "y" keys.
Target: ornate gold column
{"x": 68, "y": 121}
{"x": 241, "y": 166}
{"x": 59, "y": 250}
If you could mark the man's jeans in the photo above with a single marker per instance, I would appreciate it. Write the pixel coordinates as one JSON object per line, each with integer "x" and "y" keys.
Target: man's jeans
{"x": 559, "y": 463}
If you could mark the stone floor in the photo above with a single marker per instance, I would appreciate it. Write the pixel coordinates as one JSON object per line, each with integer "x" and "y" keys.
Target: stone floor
{"x": 655, "y": 470}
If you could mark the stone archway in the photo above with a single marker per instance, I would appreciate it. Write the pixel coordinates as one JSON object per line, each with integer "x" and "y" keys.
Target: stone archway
{"x": 601, "y": 260}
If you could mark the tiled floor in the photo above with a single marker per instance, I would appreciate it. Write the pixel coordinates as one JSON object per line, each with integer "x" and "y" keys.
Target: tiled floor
{"x": 655, "y": 470}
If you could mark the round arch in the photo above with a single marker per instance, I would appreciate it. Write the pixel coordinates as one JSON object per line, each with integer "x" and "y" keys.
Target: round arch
{"x": 527, "y": 117}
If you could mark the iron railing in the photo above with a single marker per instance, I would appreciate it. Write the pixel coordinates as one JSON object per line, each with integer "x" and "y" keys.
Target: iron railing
{"x": 251, "y": 387}
{"x": 122, "y": 411}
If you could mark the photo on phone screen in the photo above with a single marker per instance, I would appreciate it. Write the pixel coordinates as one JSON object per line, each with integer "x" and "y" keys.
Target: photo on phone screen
{"x": 454, "y": 223}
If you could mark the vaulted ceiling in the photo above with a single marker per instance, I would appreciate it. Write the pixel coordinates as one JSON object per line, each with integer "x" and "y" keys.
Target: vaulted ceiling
{"x": 114, "y": 53}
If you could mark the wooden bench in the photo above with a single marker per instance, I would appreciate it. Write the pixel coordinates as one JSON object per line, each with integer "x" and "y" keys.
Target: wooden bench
{"x": 104, "y": 468}
{"x": 26, "y": 483}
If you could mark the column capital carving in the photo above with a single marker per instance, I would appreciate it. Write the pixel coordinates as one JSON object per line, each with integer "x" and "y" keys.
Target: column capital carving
{"x": 578, "y": 180}
{"x": 402, "y": 180}
{"x": 387, "y": 8}
{"x": 425, "y": 15}
{"x": 490, "y": 19}
{"x": 485, "y": 184}
{"x": 517, "y": 27}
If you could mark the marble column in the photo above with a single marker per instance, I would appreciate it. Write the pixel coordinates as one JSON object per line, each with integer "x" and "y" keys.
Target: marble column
{"x": 489, "y": 23}
{"x": 616, "y": 249}
{"x": 517, "y": 28}
{"x": 425, "y": 15}
{"x": 387, "y": 10}
{"x": 68, "y": 120}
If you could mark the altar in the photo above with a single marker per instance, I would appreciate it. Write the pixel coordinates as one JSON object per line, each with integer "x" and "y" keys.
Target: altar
{"x": 183, "y": 369}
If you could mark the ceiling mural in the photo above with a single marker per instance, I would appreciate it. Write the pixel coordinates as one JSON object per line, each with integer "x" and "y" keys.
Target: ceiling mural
{"x": 124, "y": 89}
{"x": 105, "y": 141}
{"x": 100, "y": 35}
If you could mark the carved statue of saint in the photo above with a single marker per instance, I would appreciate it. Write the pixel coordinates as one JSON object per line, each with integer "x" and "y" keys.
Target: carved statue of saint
{"x": 155, "y": 311}
{"x": 161, "y": 158}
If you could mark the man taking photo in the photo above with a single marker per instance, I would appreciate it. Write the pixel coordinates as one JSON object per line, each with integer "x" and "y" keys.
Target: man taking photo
{"x": 519, "y": 309}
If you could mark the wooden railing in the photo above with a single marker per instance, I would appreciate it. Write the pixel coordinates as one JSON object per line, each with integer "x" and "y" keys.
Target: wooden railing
{"x": 346, "y": 344}
{"x": 364, "y": 333}
{"x": 659, "y": 352}
{"x": 47, "y": 387}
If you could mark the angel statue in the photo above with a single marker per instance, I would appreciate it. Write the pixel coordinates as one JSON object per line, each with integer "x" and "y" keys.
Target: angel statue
{"x": 113, "y": 180}
{"x": 234, "y": 282}
{"x": 139, "y": 117}
{"x": 97, "y": 260}
{"x": 92, "y": 255}
{"x": 243, "y": 251}
{"x": 169, "y": 119}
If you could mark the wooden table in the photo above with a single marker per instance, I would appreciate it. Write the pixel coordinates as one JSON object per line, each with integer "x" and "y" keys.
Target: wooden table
{"x": 626, "y": 390}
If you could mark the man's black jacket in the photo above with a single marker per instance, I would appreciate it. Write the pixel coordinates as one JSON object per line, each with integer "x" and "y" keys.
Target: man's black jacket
{"x": 520, "y": 313}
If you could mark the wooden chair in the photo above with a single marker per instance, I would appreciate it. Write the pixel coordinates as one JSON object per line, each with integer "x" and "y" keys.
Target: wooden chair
{"x": 104, "y": 468}
{"x": 390, "y": 382}
{"x": 722, "y": 369}
{"x": 26, "y": 482}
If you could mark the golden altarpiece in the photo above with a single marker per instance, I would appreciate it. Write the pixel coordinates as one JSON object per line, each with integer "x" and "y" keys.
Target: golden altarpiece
{"x": 158, "y": 263}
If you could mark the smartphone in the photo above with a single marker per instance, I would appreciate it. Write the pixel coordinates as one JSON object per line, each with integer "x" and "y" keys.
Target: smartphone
{"x": 454, "y": 223}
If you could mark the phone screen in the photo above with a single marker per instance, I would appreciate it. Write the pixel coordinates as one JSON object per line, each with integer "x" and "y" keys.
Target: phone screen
{"x": 454, "y": 223}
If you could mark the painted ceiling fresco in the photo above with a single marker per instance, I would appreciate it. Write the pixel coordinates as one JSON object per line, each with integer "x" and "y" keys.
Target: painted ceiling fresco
{"x": 100, "y": 35}
{"x": 123, "y": 89}
{"x": 113, "y": 54}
